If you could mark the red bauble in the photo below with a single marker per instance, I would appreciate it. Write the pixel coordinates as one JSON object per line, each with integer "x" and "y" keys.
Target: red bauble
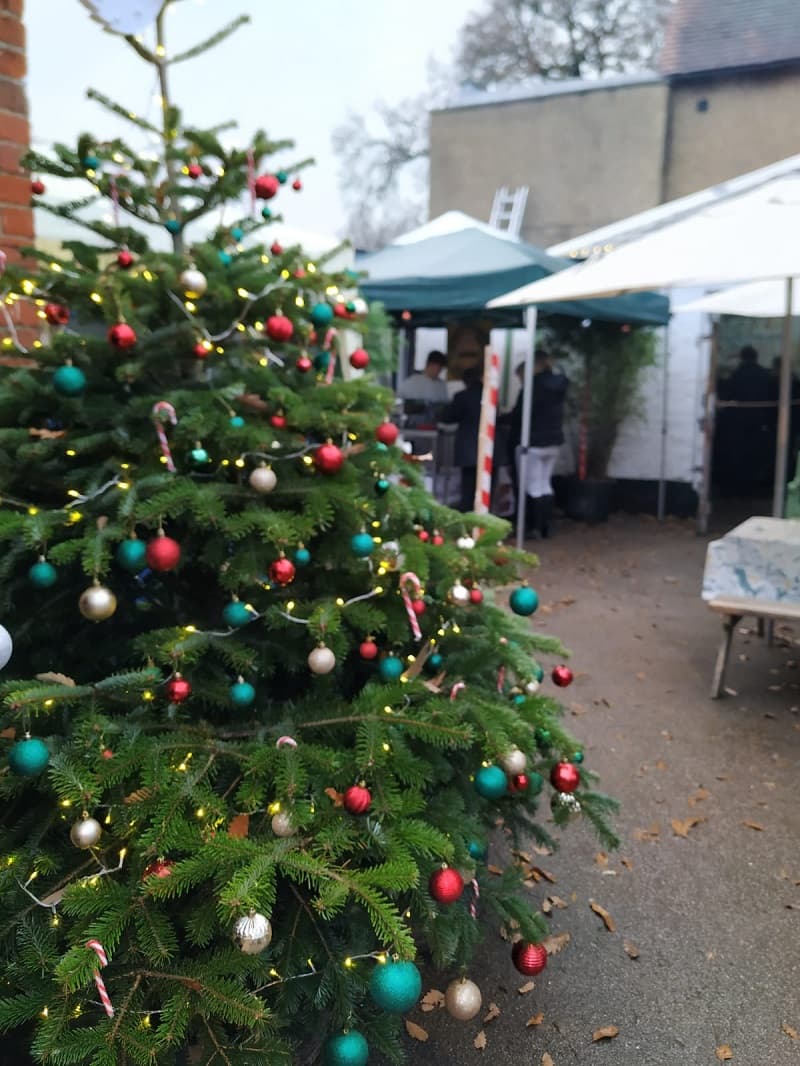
{"x": 107, "y": 753}
{"x": 328, "y": 459}
{"x": 368, "y": 649}
{"x": 359, "y": 359}
{"x": 519, "y": 783}
{"x": 195, "y": 171}
{"x": 437, "y": 539}
{"x": 56, "y": 314}
{"x": 340, "y": 310}
{"x": 562, "y": 676}
{"x": 124, "y": 259}
{"x": 418, "y": 607}
{"x": 297, "y": 185}
{"x": 276, "y": 248}
{"x": 446, "y": 885}
{"x": 201, "y": 351}
{"x": 387, "y": 433}
{"x": 122, "y": 336}
{"x": 266, "y": 186}
{"x": 357, "y": 799}
{"x": 277, "y": 421}
{"x": 279, "y": 328}
{"x": 159, "y": 868}
{"x": 303, "y": 364}
{"x": 565, "y": 777}
{"x": 529, "y": 959}
{"x": 37, "y": 187}
{"x": 282, "y": 571}
{"x": 475, "y": 596}
{"x": 163, "y": 553}
{"x": 178, "y": 689}
{"x": 424, "y": 536}
{"x": 300, "y": 273}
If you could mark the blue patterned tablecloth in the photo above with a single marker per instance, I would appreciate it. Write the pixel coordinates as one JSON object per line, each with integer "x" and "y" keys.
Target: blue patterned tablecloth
{"x": 760, "y": 559}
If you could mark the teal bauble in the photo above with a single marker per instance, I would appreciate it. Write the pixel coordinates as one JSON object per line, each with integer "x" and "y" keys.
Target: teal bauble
{"x": 322, "y": 361}
{"x": 346, "y": 1049}
{"x": 491, "y": 783}
{"x": 542, "y": 737}
{"x": 435, "y": 661}
{"x": 282, "y": 176}
{"x": 69, "y": 381}
{"x": 577, "y": 756}
{"x": 382, "y": 486}
{"x": 476, "y": 850}
{"x": 379, "y": 446}
{"x": 242, "y": 694}
{"x": 225, "y": 258}
{"x": 362, "y": 545}
{"x": 524, "y": 601}
{"x": 90, "y": 162}
{"x": 302, "y": 557}
{"x": 538, "y": 674}
{"x": 237, "y": 421}
{"x": 390, "y": 668}
{"x": 519, "y": 698}
{"x": 28, "y": 757}
{"x": 266, "y": 213}
{"x": 395, "y": 986}
{"x": 42, "y": 574}
{"x": 321, "y": 314}
{"x": 199, "y": 456}
{"x": 535, "y": 782}
{"x": 237, "y": 233}
{"x": 173, "y": 226}
{"x": 350, "y": 305}
{"x": 131, "y": 555}
{"x": 236, "y": 614}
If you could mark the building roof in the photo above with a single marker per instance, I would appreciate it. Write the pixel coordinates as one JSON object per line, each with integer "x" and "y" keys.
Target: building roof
{"x": 534, "y": 89}
{"x": 710, "y": 35}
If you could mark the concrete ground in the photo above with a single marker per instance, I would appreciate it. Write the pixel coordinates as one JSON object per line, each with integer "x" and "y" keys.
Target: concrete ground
{"x": 714, "y": 914}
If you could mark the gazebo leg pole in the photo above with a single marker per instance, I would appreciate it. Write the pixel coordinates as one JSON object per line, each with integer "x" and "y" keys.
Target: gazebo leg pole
{"x": 784, "y": 408}
{"x": 525, "y": 432}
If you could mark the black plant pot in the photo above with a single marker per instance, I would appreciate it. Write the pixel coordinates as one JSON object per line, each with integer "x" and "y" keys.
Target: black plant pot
{"x": 588, "y": 500}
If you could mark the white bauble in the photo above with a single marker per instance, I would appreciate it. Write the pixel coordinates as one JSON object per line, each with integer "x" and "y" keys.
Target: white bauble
{"x": 321, "y": 660}
{"x": 193, "y": 282}
{"x": 6, "y": 646}
{"x": 97, "y": 603}
{"x": 86, "y": 833}
{"x": 463, "y": 999}
{"x": 252, "y": 933}
{"x": 359, "y": 305}
{"x": 532, "y": 687}
{"x": 466, "y": 543}
{"x": 459, "y": 594}
{"x": 282, "y": 825}
{"x": 263, "y": 479}
{"x": 514, "y": 762}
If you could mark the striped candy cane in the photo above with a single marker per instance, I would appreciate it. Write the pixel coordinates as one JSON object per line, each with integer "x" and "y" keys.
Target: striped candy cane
{"x": 165, "y": 408}
{"x": 473, "y": 903}
{"x": 100, "y": 952}
{"x": 411, "y": 579}
{"x": 285, "y": 742}
{"x": 491, "y": 389}
{"x": 327, "y": 346}
{"x": 454, "y": 691}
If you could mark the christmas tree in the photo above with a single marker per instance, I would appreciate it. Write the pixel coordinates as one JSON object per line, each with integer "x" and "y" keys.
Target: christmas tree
{"x": 261, "y": 713}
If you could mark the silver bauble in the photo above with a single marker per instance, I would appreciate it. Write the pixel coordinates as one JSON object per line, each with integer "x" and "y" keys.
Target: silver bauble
{"x": 253, "y": 933}
{"x": 86, "y": 833}
{"x": 359, "y": 305}
{"x": 565, "y": 801}
{"x": 97, "y": 603}
{"x": 263, "y": 479}
{"x": 465, "y": 543}
{"x": 532, "y": 687}
{"x": 463, "y": 999}
{"x": 321, "y": 660}
{"x": 6, "y": 646}
{"x": 514, "y": 762}
{"x": 282, "y": 824}
{"x": 459, "y": 594}
{"x": 193, "y": 282}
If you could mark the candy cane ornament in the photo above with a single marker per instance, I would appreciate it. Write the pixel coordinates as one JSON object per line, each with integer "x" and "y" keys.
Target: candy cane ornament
{"x": 454, "y": 691}
{"x": 410, "y": 578}
{"x": 100, "y": 952}
{"x": 473, "y": 903}
{"x": 166, "y": 409}
{"x": 285, "y": 742}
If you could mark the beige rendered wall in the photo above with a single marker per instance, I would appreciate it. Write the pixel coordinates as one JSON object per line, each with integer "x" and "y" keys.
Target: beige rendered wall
{"x": 750, "y": 121}
{"x": 589, "y": 158}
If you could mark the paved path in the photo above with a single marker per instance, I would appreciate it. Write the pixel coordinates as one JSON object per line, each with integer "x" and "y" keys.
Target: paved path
{"x": 711, "y": 913}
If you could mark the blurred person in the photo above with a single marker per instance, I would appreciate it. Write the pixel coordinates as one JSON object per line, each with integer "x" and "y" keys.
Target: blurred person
{"x": 426, "y": 386}
{"x": 465, "y": 411}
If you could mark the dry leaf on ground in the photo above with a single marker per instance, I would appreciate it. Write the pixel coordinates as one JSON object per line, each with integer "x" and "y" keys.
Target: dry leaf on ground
{"x": 480, "y": 1041}
{"x": 601, "y": 859}
{"x": 681, "y": 827}
{"x": 608, "y": 1032}
{"x": 753, "y": 825}
{"x": 527, "y": 987}
{"x": 535, "y": 1019}
{"x": 555, "y": 943}
{"x": 790, "y": 1031}
{"x": 698, "y": 797}
{"x": 492, "y": 1013}
{"x": 660, "y": 765}
{"x": 653, "y": 833}
{"x": 431, "y": 1000}
{"x": 537, "y": 870}
{"x": 724, "y": 1052}
{"x": 630, "y": 949}
{"x": 601, "y": 912}
{"x": 557, "y": 901}
{"x": 496, "y": 870}
{"x": 547, "y": 1059}
{"x": 626, "y": 863}
{"x": 416, "y": 1031}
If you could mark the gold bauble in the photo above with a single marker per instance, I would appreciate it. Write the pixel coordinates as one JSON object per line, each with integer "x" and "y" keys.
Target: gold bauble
{"x": 463, "y": 999}
{"x": 97, "y": 603}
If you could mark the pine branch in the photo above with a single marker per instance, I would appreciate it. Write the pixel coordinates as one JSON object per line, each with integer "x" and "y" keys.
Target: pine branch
{"x": 210, "y": 42}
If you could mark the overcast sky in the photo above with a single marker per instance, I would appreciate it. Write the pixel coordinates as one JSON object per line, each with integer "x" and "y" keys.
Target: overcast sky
{"x": 295, "y": 71}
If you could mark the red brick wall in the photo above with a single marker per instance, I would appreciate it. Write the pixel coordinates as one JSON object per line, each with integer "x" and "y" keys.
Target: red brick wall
{"x": 16, "y": 216}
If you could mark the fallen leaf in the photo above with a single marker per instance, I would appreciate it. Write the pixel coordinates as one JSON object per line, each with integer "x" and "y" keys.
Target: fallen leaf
{"x": 653, "y": 833}
{"x": 527, "y": 987}
{"x": 723, "y": 1052}
{"x": 492, "y": 1013}
{"x": 660, "y": 765}
{"x": 547, "y": 906}
{"x": 542, "y": 849}
{"x": 496, "y": 870}
{"x": 601, "y": 912}
{"x": 790, "y": 1031}
{"x": 698, "y": 797}
{"x": 754, "y": 825}
{"x": 431, "y": 1000}
{"x": 416, "y": 1031}
{"x": 239, "y": 826}
{"x": 543, "y": 873}
{"x": 608, "y": 1032}
{"x": 681, "y": 828}
{"x": 626, "y": 863}
{"x": 557, "y": 901}
{"x": 547, "y": 1060}
{"x": 630, "y": 949}
{"x": 337, "y": 797}
{"x": 480, "y": 1041}
{"x": 601, "y": 859}
{"x": 523, "y": 856}
{"x": 555, "y": 943}
{"x": 535, "y": 1019}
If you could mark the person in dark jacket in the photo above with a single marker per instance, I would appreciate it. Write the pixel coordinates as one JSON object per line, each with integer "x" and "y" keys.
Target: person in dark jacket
{"x": 546, "y": 438}
{"x": 465, "y": 410}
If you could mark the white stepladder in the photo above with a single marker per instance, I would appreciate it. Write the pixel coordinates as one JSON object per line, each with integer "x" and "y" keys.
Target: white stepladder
{"x": 508, "y": 209}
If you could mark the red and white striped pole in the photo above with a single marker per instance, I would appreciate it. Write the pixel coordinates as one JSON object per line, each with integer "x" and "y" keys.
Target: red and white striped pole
{"x": 486, "y": 434}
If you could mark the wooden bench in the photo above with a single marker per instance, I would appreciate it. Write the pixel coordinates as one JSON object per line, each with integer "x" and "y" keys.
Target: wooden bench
{"x": 733, "y": 609}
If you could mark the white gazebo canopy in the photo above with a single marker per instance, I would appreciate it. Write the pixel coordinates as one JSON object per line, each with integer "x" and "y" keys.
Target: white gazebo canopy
{"x": 759, "y": 299}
